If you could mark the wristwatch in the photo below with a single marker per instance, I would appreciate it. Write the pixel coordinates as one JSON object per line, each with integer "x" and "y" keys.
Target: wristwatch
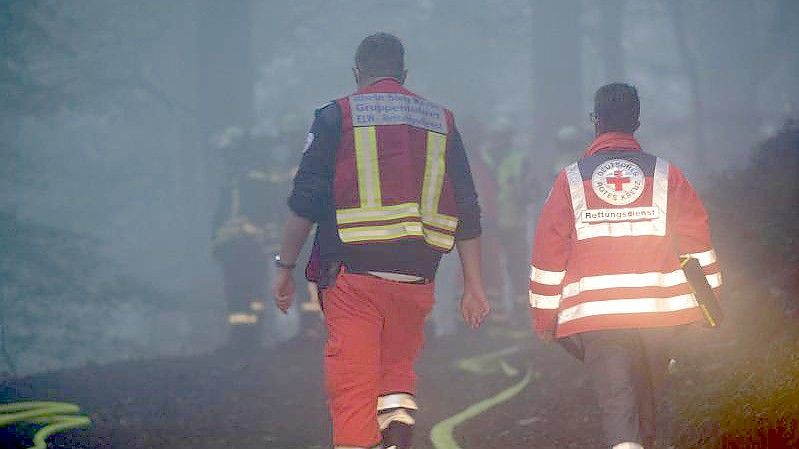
{"x": 280, "y": 264}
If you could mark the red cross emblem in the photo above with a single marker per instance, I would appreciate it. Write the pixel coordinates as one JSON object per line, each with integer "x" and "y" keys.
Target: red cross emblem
{"x": 617, "y": 180}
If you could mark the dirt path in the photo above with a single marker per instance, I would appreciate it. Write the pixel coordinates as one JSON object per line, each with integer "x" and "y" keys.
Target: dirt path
{"x": 276, "y": 399}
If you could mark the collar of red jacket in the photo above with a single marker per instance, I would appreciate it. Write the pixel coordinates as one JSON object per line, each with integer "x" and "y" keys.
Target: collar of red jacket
{"x": 614, "y": 139}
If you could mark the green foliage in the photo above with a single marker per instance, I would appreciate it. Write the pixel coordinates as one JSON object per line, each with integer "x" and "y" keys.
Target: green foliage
{"x": 740, "y": 387}
{"x": 762, "y": 197}
{"x": 753, "y": 402}
{"x": 756, "y": 205}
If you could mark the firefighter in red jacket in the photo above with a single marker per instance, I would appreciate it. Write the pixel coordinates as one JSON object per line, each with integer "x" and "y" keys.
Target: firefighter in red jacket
{"x": 606, "y": 279}
{"x": 385, "y": 176}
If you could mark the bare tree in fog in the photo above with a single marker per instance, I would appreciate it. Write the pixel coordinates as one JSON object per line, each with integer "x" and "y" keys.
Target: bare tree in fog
{"x": 557, "y": 74}
{"x": 610, "y": 38}
{"x": 689, "y": 65}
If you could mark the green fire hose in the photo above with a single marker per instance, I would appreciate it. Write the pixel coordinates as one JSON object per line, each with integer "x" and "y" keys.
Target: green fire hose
{"x": 53, "y": 416}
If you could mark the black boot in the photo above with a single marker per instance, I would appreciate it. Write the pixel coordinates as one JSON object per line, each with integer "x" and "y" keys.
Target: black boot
{"x": 398, "y": 435}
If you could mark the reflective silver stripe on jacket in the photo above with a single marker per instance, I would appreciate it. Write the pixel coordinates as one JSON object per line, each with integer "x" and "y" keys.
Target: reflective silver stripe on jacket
{"x": 655, "y": 226}
{"x": 704, "y": 258}
{"x": 627, "y": 280}
{"x": 707, "y": 258}
{"x": 544, "y": 301}
{"x": 546, "y": 277}
{"x": 627, "y": 306}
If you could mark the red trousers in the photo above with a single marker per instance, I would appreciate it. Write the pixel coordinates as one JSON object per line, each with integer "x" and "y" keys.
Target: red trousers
{"x": 375, "y": 330}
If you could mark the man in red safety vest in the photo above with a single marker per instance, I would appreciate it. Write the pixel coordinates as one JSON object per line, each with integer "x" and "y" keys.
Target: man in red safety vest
{"x": 606, "y": 278}
{"x": 385, "y": 176}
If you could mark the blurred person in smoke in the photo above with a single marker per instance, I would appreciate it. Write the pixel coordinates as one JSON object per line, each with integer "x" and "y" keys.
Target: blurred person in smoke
{"x": 245, "y": 234}
{"x": 512, "y": 175}
{"x": 486, "y": 186}
{"x": 606, "y": 277}
{"x": 385, "y": 176}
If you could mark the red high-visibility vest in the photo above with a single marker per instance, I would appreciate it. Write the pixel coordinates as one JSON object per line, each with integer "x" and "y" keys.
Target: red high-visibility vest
{"x": 391, "y": 178}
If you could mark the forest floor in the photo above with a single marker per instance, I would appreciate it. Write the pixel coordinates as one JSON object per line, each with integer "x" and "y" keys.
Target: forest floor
{"x": 493, "y": 388}
{"x": 276, "y": 400}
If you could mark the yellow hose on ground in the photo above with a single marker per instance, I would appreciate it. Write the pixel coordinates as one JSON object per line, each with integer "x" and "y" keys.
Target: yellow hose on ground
{"x": 54, "y": 416}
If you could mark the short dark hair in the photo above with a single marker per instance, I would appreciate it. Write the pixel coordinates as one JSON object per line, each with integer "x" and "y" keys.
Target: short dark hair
{"x": 617, "y": 107}
{"x": 380, "y": 54}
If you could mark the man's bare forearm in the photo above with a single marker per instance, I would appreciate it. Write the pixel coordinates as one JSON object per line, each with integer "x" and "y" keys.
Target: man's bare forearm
{"x": 295, "y": 232}
{"x": 469, "y": 253}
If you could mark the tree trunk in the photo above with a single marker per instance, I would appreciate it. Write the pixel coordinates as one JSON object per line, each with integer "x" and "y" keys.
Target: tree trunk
{"x": 611, "y": 51}
{"x": 727, "y": 47}
{"x": 689, "y": 64}
{"x": 557, "y": 78}
{"x": 225, "y": 77}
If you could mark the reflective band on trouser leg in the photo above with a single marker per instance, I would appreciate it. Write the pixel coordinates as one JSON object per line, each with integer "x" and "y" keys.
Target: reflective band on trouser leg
{"x": 628, "y": 445}
{"x": 237, "y": 319}
{"x": 384, "y": 419}
{"x": 379, "y": 446}
{"x": 395, "y": 400}
{"x": 396, "y": 420}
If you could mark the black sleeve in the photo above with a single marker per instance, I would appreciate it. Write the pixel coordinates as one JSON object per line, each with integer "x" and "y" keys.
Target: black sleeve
{"x": 313, "y": 182}
{"x": 465, "y": 194}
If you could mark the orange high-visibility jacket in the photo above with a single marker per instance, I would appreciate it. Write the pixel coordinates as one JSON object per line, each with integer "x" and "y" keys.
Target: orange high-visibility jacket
{"x": 608, "y": 243}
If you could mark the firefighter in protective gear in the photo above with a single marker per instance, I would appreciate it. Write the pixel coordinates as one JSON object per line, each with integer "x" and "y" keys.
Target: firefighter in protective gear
{"x": 385, "y": 176}
{"x": 486, "y": 187}
{"x": 245, "y": 234}
{"x": 511, "y": 173}
{"x": 606, "y": 278}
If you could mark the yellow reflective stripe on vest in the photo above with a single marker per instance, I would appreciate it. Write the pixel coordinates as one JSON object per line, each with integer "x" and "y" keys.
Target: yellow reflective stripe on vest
{"x": 433, "y": 172}
{"x": 442, "y": 221}
{"x": 418, "y": 218}
{"x": 435, "y": 166}
{"x": 368, "y": 169}
{"x": 383, "y": 232}
{"x": 438, "y": 239}
{"x": 381, "y": 213}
